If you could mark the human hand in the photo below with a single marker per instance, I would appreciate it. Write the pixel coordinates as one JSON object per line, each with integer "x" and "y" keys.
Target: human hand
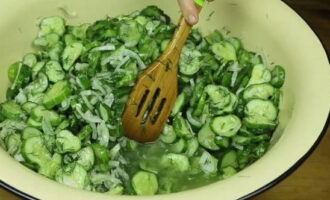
{"x": 189, "y": 11}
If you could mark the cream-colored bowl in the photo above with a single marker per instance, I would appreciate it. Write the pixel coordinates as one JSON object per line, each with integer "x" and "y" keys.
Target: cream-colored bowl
{"x": 268, "y": 26}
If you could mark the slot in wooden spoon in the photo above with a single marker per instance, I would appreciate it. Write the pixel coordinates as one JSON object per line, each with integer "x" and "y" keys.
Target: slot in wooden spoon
{"x": 154, "y": 94}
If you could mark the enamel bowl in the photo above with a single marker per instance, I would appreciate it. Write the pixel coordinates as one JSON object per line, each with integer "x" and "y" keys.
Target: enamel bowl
{"x": 270, "y": 27}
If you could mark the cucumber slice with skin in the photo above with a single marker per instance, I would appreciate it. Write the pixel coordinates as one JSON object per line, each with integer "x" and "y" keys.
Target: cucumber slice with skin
{"x": 260, "y": 74}
{"x": 182, "y": 127}
{"x": 224, "y": 51}
{"x": 86, "y": 158}
{"x": 73, "y": 175}
{"x": 11, "y": 110}
{"x": 175, "y": 162}
{"x": 85, "y": 132}
{"x": 226, "y": 125}
{"x": 54, "y": 71}
{"x": 33, "y": 123}
{"x": 179, "y": 146}
{"x": 229, "y": 160}
{"x": 220, "y": 96}
{"x": 261, "y": 109}
{"x": 39, "y": 85}
{"x": 278, "y": 76}
{"x": 34, "y": 151}
{"x": 50, "y": 168}
{"x": 208, "y": 163}
{"x": 145, "y": 183}
{"x": 29, "y": 106}
{"x": 259, "y": 125}
{"x": 67, "y": 142}
{"x": 13, "y": 143}
{"x": 192, "y": 146}
{"x": 30, "y": 59}
{"x": 54, "y": 24}
{"x": 13, "y": 70}
{"x": 259, "y": 91}
{"x": 130, "y": 32}
{"x": 168, "y": 135}
{"x": 29, "y": 132}
{"x": 206, "y": 138}
{"x": 189, "y": 63}
{"x": 38, "y": 113}
{"x": 179, "y": 103}
{"x": 58, "y": 93}
{"x": 70, "y": 54}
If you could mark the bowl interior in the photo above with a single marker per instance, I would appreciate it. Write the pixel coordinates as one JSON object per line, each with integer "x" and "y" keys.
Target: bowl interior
{"x": 270, "y": 28}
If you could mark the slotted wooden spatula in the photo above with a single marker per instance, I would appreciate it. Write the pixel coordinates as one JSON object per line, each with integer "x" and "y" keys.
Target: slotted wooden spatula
{"x": 155, "y": 91}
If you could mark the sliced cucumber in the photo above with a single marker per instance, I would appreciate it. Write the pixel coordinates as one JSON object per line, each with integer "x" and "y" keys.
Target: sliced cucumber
{"x": 39, "y": 85}
{"x": 179, "y": 103}
{"x": 260, "y": 74}
{"x": 34, "y": 151}
{"x": 168, "y": 135}
{"x": 224, "y": 51}
{"x": 261, "y": 109}
{"x": 220, "y": 96}
{"x": 70, "y": 54}
{"x": 130, "y": 32}
{"x": 228, "y": 172}
{"x": 38, "y": 113}
{"x": 13, "y": 143}
{"x": 54, "y": 71}
{"x": 259, "y": 91}
{"x": 33, "y": 123}
{"x": 208, "y": 163}
{"x": 86, "y": 158}
{"x": 73, "y": 175}
{"x": 192, "y": 146}
{"x": 30, "y": 59}
{"x": 222, "y": 141}
{"x": 67, "y": 142}
{"x": 53, "y": 24}
{"x": 259, "y": 124}
{"x": 278, "y": 76}
{"x": 179, "y": 146}
{"x": 37, "y": 68}
{"x": 47, "y": 41}
{"x": 182, "y": 127}
{"x": 145, "y": 183}
{"x": 229, "y": 160}
{"x": 58, "y": 93}
{"x": 175, "y": 162}
{"x": 226, "y": 125}
{"x": 29, "y": 132}
{"x": 50, "y": 168}
{"x": 11, "y": 110}
{"x": 189, "y": 63}
{"x": 206, "y": 138}
{"x": 85, "y": 132}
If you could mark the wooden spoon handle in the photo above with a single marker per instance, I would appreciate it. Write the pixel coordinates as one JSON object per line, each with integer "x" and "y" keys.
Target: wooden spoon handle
{"x": 181, "y": 34}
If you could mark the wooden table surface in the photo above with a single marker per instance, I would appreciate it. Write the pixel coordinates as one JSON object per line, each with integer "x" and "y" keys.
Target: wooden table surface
{"x": 312, "y": 179}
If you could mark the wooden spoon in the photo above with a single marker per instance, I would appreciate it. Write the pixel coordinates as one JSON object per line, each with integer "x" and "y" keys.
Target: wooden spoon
{"x": 154, "y": 94}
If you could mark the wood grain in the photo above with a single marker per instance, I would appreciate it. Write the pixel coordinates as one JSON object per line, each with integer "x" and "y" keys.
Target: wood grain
{"x": 312, "y": 179}
{"x": 153, "y": 96}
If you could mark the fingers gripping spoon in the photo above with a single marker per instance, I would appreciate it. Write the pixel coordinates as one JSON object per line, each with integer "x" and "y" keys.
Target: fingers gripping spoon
{"x": 155, "y": 91}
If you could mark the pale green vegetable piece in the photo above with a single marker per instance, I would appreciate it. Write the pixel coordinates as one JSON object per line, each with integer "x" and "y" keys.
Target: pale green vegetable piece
{"x": 176, "y": 162}
{"x": 71, "y": 54}
{"x": 145, "y": 183}
{"x": 73, "y": 175}
{"x": 67, "y": 142}
{"x": 260, "y": 74}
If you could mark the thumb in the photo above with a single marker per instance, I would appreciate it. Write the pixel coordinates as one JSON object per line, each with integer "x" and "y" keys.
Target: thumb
{"x": 189, "y": 11}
